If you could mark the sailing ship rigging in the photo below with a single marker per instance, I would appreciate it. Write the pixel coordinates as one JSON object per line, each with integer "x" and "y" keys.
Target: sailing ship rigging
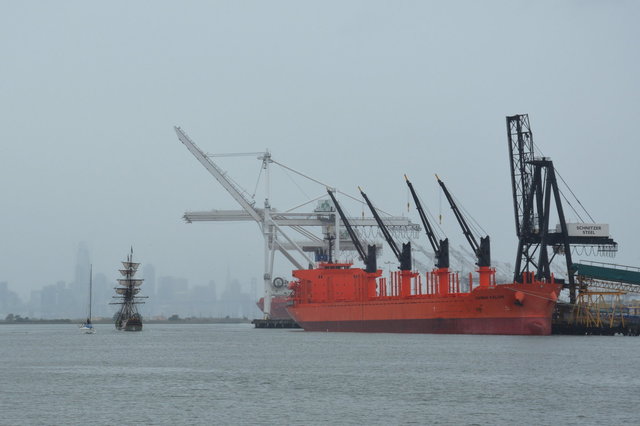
{"x": 128, "y": 318}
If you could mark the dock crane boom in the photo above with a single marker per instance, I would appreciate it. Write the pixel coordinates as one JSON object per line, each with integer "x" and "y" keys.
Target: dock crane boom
{"x": 404, "y": 256}
{"x": 441, "y": 247}
{"x": 263, "y": 217}
{"x": 482, "y": 250}
{"x": 369, "y": 258}
{"x": 273, "y": 224}
{"x": 219, "y": 174}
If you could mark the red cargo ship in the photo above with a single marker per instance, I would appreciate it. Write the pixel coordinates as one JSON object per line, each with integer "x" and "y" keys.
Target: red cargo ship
{"x": 337, "y": 297}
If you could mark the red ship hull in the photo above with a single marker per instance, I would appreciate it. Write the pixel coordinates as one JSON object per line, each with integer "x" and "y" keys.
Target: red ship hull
{"x": 516, "y": 309}
{"x": 521, "y": 326}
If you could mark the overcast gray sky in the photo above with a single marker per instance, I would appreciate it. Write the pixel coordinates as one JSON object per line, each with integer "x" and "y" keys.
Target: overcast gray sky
{"x": 351, "y": 93}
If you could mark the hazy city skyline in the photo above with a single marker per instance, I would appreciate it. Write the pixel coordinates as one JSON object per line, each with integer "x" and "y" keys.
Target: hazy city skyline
{"x": 350, "y": 93}
{"x": 165, "y": 295}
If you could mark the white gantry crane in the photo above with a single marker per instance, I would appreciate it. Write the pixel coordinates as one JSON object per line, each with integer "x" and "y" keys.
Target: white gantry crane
{"x": 272, "y": 222}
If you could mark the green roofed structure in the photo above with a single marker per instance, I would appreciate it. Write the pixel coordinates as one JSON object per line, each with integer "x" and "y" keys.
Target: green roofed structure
{"x": 608, "y": 272}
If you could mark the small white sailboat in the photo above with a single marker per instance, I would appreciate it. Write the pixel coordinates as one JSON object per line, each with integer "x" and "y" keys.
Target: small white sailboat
{"x": 87, "y": 327}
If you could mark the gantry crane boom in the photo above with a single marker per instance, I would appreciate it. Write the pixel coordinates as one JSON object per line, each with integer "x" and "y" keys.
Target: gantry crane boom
{"x": 261, "y": 216}
{"x": 269, "y": 228}
{"x": 271, "y": 222}
{"x": 219, "y": 174}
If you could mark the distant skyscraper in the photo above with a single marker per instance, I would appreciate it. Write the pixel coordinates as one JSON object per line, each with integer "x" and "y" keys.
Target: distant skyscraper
{"x": 10, "y": 303}
{"x": 234, "y": 302}
{"x": 172, "y": 295}
{"x": 102, "y": 295}
{"x": 151, "y": 304}
{"x": 80, "y": 285}
{"x": 83, "y": 265}
{"x": 149, "y": 275}
{"x": 254, "y": 288}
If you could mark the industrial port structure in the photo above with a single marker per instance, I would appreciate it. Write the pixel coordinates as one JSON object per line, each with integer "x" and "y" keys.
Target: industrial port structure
{"x": 595, "y": 290}
{"x": 274, "y": 224}
{"x": 595, "y": 305}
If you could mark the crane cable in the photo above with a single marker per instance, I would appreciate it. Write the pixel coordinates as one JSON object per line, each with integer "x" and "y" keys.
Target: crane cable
{"x": 569, "y": 188}
{"x": 257, "y": 183}
{"x": 437, "y": 230}
{"x": 473, "y": 225}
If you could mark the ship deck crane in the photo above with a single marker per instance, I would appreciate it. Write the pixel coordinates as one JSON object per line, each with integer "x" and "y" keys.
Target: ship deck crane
{"x": 440, "y": 247}
{"x": 369, "y": 257}
{"x": 481, "y": 250}
{"x": 403, "y": 256}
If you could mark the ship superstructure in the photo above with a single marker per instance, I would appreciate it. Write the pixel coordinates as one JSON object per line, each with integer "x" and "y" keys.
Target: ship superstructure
{"x": 128, "y": 318}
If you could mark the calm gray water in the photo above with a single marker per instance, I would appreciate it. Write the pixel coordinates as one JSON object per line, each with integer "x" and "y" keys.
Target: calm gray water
{"x": 235, "y": 374}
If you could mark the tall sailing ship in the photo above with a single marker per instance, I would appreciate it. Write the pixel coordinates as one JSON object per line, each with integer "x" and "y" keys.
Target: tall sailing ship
{"x": 128, "y": 318}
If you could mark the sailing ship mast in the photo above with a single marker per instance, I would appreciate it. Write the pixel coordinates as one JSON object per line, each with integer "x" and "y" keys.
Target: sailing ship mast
{"x": 128, "y": 318}
{"x": 87, "y": 327}
{"x": 90, "y": 291}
